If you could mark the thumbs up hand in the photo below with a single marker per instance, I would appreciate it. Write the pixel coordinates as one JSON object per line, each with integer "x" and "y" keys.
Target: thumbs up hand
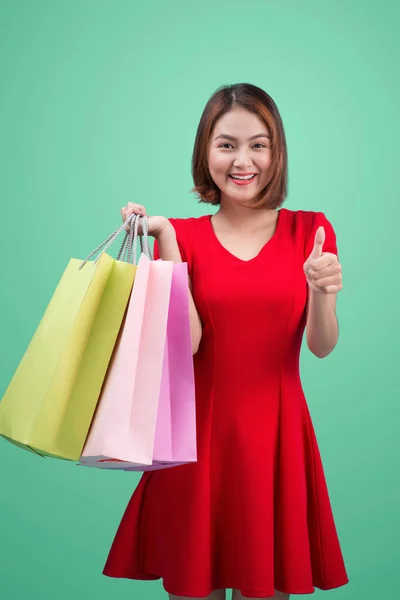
{"x": 323, "y": 270}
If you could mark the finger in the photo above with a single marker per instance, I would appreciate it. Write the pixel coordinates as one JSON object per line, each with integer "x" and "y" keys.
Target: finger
{"x": 333, "y": 289}
{"x": 323, "y": 261}
{"x": 325, "y": 271}
{"x": 137, "y": 208}
{"x": 318, "y": 243}
{"x": 128, "y": 212}
{"x": 330, "y": 289}
{"x": 327, "y": 281}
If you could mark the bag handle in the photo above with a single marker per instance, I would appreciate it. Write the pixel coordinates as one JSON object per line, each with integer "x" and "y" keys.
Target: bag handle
{"x": 130, "y": 241}
{"x": 133, "y": 220}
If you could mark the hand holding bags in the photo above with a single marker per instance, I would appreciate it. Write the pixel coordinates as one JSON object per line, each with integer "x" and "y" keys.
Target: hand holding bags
{"x": 49, "y": 404}
{"x": 146, "y": 412}
{"x": 146, "y": 415}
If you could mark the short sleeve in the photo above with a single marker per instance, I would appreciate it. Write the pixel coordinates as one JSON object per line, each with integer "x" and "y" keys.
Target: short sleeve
{"x": 330, "y": 245}
{"x": 179, "y": 238}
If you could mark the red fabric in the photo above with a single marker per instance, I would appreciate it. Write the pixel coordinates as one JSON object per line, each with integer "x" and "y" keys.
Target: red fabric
{"x": 254, "y": 512}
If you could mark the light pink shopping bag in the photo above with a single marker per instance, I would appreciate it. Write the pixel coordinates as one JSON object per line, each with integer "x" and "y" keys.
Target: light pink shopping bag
{"x": 175, "y": 430}
{"x": 124, "y": 424}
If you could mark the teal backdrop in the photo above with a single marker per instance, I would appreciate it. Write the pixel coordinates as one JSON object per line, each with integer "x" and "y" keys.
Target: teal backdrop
{"x": 99, "y": 106}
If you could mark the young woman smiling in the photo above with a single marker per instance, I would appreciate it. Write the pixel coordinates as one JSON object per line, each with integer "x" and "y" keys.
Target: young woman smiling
{"x": 253, "y": 513}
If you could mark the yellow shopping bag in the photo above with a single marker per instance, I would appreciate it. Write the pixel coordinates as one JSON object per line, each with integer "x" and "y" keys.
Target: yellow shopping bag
{"x": 50, "y": 401}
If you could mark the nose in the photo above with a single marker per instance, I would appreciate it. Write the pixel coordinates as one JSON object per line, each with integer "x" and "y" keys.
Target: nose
{"x": 243, "y": 159}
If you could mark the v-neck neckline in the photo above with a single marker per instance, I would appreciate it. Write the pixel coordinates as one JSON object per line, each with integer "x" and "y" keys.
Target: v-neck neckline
{"x": 264, "y": 247}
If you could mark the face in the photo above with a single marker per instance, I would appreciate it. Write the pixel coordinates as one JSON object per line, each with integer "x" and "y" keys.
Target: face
{"x": 240, "y": 144}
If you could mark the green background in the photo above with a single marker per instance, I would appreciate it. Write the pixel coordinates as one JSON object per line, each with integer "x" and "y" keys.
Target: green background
{"x": 99, "y": 106}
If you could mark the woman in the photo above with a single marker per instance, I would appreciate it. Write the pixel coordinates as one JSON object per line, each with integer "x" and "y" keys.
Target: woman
{"x": 253, "y": 513}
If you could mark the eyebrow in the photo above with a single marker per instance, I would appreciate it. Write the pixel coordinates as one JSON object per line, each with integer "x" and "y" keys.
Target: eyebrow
{"x": 231, "y": 137}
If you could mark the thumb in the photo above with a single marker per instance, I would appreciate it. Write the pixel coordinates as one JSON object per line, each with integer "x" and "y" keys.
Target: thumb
{"x": 318, "y": 243}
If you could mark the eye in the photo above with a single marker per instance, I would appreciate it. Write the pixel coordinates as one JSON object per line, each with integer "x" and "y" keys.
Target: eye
{"x": 228, "y": 144}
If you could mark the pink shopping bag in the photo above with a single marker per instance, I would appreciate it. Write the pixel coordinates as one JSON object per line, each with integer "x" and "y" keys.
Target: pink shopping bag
{"x": 175, "y": 437}
{"x": 175, "y": 428}
{"x": 124, "y": 424}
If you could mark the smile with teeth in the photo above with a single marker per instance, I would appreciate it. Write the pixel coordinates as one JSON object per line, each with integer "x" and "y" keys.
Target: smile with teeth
{"x": 242, "y": 177}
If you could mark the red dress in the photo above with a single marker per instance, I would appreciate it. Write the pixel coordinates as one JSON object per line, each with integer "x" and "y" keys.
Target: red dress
{"x": 253, "y": 512}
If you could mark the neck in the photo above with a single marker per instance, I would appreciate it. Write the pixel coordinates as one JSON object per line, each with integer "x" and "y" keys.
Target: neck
{"x": 241, "y": 216}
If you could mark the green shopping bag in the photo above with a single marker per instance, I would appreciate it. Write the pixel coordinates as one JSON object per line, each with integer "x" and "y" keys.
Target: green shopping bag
{"x": 50, "y": 401}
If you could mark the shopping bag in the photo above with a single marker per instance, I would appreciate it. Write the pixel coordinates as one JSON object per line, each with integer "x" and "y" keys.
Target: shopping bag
{"x": 137, "y": 427}
{"x": 124, "y": 423}
{"x": 175, "y": 437}
{"x": 49, "y": 403}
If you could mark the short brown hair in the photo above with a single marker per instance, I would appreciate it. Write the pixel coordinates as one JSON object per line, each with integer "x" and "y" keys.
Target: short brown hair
{"x": 255, "y": 100}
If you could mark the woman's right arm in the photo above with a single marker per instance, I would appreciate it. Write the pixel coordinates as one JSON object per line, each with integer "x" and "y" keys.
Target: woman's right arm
{"x": 169, "y": 250}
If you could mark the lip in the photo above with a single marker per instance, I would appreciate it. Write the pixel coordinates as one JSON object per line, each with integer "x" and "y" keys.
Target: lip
{"x": 244, "y": 181}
